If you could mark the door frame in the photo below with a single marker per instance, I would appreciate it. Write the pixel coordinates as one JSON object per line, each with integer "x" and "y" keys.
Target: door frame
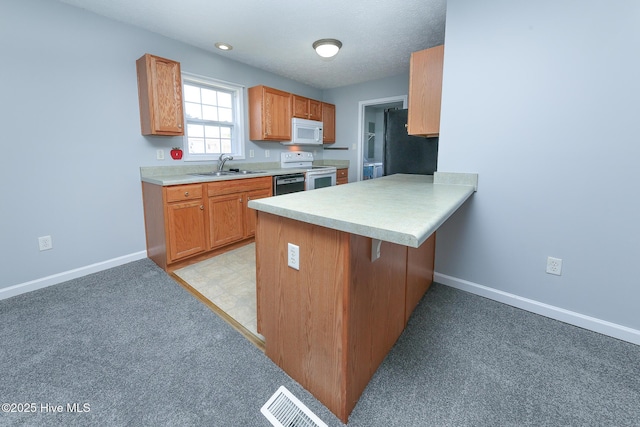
{"x": 361, "y": 133}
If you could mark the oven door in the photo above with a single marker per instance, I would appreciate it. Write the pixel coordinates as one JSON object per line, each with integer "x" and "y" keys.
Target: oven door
{"x": 320, "y": 179}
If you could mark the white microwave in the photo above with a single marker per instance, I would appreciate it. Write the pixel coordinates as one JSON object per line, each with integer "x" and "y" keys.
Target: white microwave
{"x": 305, "y": 132}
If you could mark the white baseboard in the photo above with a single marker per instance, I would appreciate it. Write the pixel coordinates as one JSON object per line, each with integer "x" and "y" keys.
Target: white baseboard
{"x": 591, "y": 323}
{"x": 54, "y": 279}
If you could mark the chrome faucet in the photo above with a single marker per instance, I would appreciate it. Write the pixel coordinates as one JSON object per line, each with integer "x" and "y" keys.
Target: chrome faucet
{"x": 222, "y": 159}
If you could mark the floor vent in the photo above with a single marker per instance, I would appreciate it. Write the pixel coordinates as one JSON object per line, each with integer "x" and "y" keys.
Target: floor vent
{"x": 283, "y": 409}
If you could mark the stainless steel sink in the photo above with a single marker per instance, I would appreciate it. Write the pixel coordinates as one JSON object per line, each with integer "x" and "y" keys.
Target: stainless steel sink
{"x": 221, "y": 173}
{"x": 226, "y": 173}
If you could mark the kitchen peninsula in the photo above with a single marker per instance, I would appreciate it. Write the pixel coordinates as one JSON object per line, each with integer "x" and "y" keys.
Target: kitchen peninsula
{"x": 365, "y": 255}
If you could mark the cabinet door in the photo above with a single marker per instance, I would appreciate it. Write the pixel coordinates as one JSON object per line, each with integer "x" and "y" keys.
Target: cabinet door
{"x": 315, "y": 110}
{"x": 277, "y": 114}
{"x": 226, "y": 219}
{"x": 425, "y": 92}
{"x": 250, "y": 214}
{"x": 342, "y": 176}
{"x": 300, "y": 107}
{"x": 160, "y": 96}
{"x": 305, "y": 108}
{"x": 269, "y": 114}
{"x": 328, "y": 123}
{"x": 185, "y": 229}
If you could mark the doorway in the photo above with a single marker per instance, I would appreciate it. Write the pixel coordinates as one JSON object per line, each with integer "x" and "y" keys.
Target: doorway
{"x": 371, "y": 134}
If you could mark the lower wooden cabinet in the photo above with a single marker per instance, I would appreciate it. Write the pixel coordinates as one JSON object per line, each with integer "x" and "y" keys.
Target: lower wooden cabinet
{"x": 185, "y": 229}
{"x": 250, "y": 214}
{"x": 330, "y": 324}
{"x": 226, "y": 222}
{"x": 230, "y": 219}
{"x": 342, "y": 176}
{"x": 187, "y": 221}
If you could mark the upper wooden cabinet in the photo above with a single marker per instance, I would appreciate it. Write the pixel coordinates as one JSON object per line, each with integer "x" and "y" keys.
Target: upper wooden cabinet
{"x": 269, "y": 114}
{"x": 271, "y": 110}
{"x": 306, "y": 108}
{"x": 425, "y": 92}
{"x": 328, "y": 123}
{"x": 160, "y": 96}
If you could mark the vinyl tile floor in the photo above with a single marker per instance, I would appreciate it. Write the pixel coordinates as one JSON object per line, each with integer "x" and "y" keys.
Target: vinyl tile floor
{"x": 229, "y": 282}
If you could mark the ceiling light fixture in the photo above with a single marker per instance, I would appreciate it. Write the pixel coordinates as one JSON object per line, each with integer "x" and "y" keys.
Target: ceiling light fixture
{"x": 224, "y": 46}
{"x": 327, "y": 48}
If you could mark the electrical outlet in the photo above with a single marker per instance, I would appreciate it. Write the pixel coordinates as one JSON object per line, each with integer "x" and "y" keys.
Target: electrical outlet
{"x": 160, "y": 154}
{"x": 45, "y": 243}
{"x": 293, "y": 256}
{"x": 266, "y": 153}
{"x": 252, "y": 153}
{"x": 554, "y": 266}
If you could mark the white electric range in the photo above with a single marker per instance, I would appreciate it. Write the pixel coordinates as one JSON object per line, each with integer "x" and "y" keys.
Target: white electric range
{"x": 315, "y": 176}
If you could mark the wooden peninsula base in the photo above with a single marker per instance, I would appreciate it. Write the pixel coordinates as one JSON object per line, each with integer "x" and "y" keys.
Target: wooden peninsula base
{"x": 330, "y": 324}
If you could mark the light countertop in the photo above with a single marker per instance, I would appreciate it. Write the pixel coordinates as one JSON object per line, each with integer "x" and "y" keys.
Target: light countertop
{"x": 182, "y": 174}
{"x": 402, "y": 209}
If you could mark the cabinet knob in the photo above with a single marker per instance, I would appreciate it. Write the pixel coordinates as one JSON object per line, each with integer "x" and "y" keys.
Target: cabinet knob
{"x": 186, "y": 194}
{"x": 240, "y": 199}
{"x": 201, "y": 207}
{"x": 180, "y": 126}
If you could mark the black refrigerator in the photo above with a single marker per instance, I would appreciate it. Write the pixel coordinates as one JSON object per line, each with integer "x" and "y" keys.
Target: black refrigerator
{"x": 404, "y": 153}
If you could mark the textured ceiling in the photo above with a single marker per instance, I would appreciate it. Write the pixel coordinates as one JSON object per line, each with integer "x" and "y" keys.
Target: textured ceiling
{"x": 378, "y": 36}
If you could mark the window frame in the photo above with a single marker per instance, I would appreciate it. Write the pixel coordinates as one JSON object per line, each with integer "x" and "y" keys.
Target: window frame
{"x": 237, "y": 134}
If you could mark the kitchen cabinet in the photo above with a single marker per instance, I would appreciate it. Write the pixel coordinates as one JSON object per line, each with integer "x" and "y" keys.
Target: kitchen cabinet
{"x": 328, "y": 123}
{"x": 175, "y": 222}
{"x": 225, "y": 216}
{"x": 185, "y": 221}
{"x": 196, "y": 221}
{"x": 342, "y": 176}
{"x": 160, "y": 96}
{"x": 230, "y": 219}
{"x": 425, "y": 92}
{"x": 271, "y": 111}
{"x": 354, "y": 291}
{"x": 306, "y": 108}
{"x": 354, "y": 309}
{"x": 269, "y": 114}
{"x": 250, "y": 215}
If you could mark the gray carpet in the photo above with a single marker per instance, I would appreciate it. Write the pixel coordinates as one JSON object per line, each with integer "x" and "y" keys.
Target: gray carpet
{"x": 140, "y": 350}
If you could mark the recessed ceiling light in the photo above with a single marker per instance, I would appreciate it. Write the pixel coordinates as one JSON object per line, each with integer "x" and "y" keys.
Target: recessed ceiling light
{"x": 224, "y": 46}
{"x": 327, "y": 48}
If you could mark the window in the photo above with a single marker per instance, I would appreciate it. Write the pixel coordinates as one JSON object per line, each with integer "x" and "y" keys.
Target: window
{"x": 213, "y": 117}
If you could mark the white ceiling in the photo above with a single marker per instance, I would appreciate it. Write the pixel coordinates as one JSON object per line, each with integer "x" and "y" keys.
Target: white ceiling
{"x": 378, "y": 36}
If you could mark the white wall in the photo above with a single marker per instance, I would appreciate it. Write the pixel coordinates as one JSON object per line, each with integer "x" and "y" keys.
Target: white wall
{"x": 71, "y": 137}
{"x": 541, "y": 99}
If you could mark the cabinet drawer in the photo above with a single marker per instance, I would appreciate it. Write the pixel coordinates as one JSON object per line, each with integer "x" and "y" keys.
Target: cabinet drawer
{"x": 342, "y": 173}
{"x": 238, "y": 186}
{"x": 180, "y": 193}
